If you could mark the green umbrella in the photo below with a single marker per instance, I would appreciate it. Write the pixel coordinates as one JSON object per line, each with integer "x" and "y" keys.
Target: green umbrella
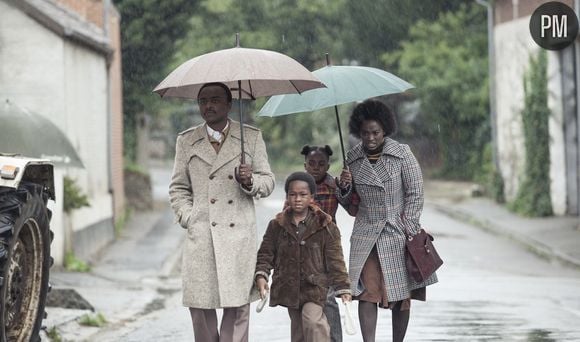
{"x": 33, "y": 135}
{"x": 344, "y": 84}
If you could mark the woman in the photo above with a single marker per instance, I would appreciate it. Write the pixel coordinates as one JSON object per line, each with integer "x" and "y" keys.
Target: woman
{"x": 389, "y": 184}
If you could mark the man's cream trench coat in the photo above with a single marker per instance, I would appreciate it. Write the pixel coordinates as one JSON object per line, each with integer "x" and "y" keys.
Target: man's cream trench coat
{"x": 219, "y": 254}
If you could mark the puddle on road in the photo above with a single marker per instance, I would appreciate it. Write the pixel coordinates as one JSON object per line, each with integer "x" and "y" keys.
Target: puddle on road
{"x": 484, "y": 321}
{"x": 539, "y": 335}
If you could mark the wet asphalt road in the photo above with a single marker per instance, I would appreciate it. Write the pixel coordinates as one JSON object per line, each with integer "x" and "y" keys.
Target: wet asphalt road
{"x": 490, "y": 289}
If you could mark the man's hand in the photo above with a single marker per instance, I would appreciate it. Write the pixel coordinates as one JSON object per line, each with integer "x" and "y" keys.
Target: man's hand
{"x": 245, "y": 175}
{"x": 262, "y": 287}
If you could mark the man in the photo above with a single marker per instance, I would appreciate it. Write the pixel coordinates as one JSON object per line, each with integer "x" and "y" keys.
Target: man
{"x": 212, "y": 195}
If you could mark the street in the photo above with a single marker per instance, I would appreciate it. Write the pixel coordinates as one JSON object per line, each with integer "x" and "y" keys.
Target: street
{"x": 489, "y": 289}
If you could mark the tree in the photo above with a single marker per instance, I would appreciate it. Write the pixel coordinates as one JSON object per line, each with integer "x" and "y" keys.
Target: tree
{"x": 446, "y": 60}
{"x": 149, "y": 30}
{"x": 379, "y": 26}
{"x": 302, "y": 29}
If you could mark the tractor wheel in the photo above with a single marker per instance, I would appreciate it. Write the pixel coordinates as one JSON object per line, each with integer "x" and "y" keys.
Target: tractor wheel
{"x": 24, "y": 261}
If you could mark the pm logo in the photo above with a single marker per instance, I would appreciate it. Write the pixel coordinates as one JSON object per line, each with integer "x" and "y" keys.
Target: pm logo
{"x": 554, "y": 26}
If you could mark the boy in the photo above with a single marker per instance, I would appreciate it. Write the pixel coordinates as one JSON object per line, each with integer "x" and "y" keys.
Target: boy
{"x": 302, "y": 246}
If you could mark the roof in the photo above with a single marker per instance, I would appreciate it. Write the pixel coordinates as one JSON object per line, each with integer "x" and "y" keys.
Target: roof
{"x": 66, "y": 23}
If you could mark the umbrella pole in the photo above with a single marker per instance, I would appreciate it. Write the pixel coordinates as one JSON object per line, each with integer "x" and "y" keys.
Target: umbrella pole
{"x": 243, "y": 158}
{"x": 340, "y": 136}
{"x": 338, "y": 122}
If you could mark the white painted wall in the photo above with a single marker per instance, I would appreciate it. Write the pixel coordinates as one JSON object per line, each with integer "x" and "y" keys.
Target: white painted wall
{"x": 558, "y": 188}
{"x": 514, "y": 46}
{"x": 67, "y": 83}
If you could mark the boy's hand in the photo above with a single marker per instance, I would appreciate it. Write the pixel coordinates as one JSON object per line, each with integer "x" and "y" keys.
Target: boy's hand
{"x": 262, "y": 287}
{"x": 346, "y": 298}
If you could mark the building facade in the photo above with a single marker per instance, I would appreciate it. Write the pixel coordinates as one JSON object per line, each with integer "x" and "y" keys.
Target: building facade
{"x": 513, "y": 46}
{"x": 62, "y": 59}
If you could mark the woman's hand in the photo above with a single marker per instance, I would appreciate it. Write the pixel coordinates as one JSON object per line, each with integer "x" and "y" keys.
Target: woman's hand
{"x": 345, "y": 179}
{"x": 262, "y": 285}
{"x": 346, "y": 297}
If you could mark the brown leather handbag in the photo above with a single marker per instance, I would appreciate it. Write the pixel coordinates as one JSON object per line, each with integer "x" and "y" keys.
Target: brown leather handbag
{"x": 420, "y": 255}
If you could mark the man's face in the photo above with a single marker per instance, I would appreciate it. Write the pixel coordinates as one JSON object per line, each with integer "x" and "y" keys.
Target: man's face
{"x": 214, "y": 106}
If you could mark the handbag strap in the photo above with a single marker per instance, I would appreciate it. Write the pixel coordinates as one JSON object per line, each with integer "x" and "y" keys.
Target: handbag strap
{"x": 407, "y": 235}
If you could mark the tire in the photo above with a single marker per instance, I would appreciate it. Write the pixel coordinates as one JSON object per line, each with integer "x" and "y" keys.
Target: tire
{"x": 24, "y": 261}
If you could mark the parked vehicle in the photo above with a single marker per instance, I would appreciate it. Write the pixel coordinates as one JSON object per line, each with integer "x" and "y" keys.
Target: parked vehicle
{"x": 26, "y": 185}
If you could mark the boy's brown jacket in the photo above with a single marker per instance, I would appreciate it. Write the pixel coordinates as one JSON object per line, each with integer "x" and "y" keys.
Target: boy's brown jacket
{"x": 303, "y": 267}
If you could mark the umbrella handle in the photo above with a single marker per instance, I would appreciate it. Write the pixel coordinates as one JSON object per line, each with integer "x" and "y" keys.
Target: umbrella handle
{"x": 243, "y": 157}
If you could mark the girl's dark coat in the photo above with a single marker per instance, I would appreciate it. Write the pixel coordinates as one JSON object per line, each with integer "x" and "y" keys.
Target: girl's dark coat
{"x": 303, "y": 267}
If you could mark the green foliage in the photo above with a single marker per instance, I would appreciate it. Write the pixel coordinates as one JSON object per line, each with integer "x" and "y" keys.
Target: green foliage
{"x": 73, "y": 264}
{"x": 302, "y": 29}
{"x": 53, "y": 334}
{"x": 149, "y": 29}
{"x": 489, "y": 177}
{"x": 379, "y": 26}
{"x": 533, "y": 198}
{"x": 135, "y": 168}
{"x": 121, "y": 221}
{"x": 446, "y": 60}
{"x": 73, "y": 197}
{"x": 96, "y": 320}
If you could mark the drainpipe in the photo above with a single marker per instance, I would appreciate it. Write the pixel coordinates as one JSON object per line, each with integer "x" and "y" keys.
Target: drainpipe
{"x": 577, "y": 86}
{"x": 106, "y": 31}
{"x": 491, "y": 65}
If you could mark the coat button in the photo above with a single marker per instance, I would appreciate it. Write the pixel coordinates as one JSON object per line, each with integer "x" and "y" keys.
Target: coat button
{"x": 214, "y": 224}
{"x": 212, "y": 201}
{"x": 230, "y": 201}
{"x": 231, "y": 177}
{"x": 302, "y": 243}
{"x": 232, "y": 224}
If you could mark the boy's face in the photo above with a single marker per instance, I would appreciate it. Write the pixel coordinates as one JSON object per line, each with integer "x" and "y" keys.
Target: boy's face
{"x": 299, "y": 196}
{"x": 316, "y": 165}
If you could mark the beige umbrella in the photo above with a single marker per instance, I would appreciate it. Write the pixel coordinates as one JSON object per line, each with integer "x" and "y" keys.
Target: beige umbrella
{"x": 249, "y": 73}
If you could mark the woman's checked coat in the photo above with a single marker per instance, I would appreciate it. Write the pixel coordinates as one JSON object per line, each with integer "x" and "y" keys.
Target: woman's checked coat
{"x": 391, "y": 198}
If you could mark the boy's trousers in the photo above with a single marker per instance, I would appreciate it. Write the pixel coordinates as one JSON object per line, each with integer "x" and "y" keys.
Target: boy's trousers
{"x": 309, "y": 324}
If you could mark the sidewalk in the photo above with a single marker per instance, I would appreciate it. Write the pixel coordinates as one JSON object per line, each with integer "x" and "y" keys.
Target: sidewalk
{"x": 554, "y": 238}
{"x": 131, "y": 277}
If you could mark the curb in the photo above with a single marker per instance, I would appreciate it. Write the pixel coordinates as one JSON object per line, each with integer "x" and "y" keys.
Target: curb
{"x": 529, "y": 243}
{"x": 172, "y": 261}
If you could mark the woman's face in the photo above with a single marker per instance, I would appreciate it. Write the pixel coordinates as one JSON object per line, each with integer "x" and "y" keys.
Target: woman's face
{"x": 372, "y": 134}
{"x": 316, "y": 165}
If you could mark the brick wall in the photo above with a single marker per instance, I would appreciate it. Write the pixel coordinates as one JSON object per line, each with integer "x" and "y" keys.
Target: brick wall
{"x": 116, "y": 88}
{"x": 91, "y": 10}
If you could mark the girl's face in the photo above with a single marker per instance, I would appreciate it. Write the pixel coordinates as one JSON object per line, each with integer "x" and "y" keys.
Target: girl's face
{"x": 299, "y": 196}
{"x": 317, "y": 165}
{"x": 372, "y": 134}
